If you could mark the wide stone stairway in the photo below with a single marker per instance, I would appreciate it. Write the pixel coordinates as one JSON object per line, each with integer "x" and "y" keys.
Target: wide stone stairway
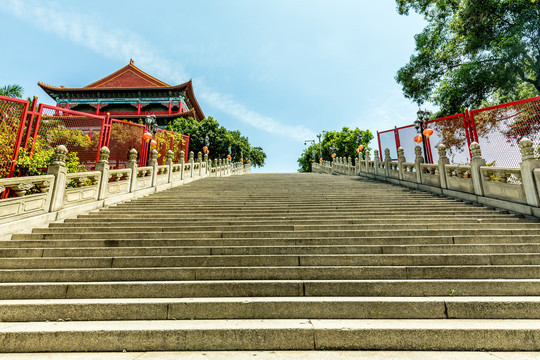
{"x": 277, "y": 261}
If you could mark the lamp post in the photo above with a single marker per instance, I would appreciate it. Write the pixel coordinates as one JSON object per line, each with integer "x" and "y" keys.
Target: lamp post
{"x": 320, "y": 150}
{"x": 333, "y": 148}
{"x": 206, "y": 144}
{"x": 152, "y": 126}
{"x": 312, "y": 150}
{"x": 420, "y": 124}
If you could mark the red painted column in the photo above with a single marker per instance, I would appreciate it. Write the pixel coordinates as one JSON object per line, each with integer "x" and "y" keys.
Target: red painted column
{"x": 97, "y": 108}
{"x": 170, "y": 108}
{"x": 139, "y": 108}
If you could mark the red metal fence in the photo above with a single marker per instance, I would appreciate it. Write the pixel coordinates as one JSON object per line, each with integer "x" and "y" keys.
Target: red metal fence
{"x": 23, "y": 128}
{"x": 497, "y": 129}
{"x": 12, "y": 121}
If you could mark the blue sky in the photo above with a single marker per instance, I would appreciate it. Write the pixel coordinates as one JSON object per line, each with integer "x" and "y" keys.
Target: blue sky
{"x": 278, "y": 71}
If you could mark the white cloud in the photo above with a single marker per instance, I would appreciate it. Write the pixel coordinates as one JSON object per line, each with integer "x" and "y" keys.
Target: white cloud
{"x": 120, "y": 44}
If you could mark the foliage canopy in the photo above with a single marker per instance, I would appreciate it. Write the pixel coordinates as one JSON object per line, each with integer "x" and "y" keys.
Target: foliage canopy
{"x": 345, "y": 141}
{"x": 219, "y": 140}
{"x": 473, "y": 53}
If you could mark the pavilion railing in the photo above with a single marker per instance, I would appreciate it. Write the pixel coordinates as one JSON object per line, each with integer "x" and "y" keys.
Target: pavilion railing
{"x": 515, "y": 189}
{"x": 497, "y": 129}
{"x": 58, "y": 194}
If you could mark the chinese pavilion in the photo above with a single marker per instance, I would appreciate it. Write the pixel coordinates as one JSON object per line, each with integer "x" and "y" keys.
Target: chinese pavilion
{"x": 130, "y": 94}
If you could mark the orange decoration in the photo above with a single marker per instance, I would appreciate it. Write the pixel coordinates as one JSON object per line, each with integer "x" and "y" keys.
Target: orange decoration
{"x": 249, "y": 161}
{"x": 147, "y": 136}
{"x": 205, "y": 148}
{"x": 358, "y": 150}
{"x": 229, "y": 157}
{"x": 418, "y": 139}
{"x": 333, "y": 155}
{"x": 427, "y": 133}
{"x": 153, "y": 143}
{"x": 242, "y": 160}
{"x": 361, "y": 147}
{"x": 320, "y": 160}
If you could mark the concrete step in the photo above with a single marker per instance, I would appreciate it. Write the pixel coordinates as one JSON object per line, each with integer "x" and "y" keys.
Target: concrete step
{"x": 476, "y": 225}
{"x": 165, "y": 233}
{"x": 299, "y": 334}
{"x": 270, "y": 260}
{"x": 167, "y": 273}
{"x": 271, "y": 308}
{"x": 404, "y": 242}
{"x": 61, "y": 250}
{"x": 269, "y": 288}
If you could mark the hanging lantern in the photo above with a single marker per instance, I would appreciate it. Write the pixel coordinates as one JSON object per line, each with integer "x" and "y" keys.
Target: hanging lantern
{"x": 249, "y": 161}
{"x": 147, "y": 136}
{"x": 320, "y": 160}
{"x": 153, "y": 143}
{"x": 229, "y": 157}
{"x": 361, "y": 147}
{"x": 241, "y": 160}
{"x": 427, "y": 133}
{"x": 358, "y": 150}
{"x": 205, "y": 149}
{"x": 418, "y": 139}
{"x": 333, "y": 155}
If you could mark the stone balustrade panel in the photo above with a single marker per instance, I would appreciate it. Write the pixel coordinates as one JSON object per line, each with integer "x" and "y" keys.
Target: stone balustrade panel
{"x": 33, "y": 196}
{"x": 430, "y": 174}
{"x": 119, "y": 180}
{"x": 503, "y": 183}
{"x": 144, "y": 177}
{"x": 81, "y": 188}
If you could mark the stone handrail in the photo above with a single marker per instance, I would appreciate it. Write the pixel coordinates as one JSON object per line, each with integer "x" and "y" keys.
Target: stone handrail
{"x": 513, "y": 189}
{"x": 38, "y": 200}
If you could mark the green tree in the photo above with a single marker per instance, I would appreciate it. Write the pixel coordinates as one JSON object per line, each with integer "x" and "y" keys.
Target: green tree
{"x": 13, "y": 90}
{"x": 345, "y": 141}
{"x": 220, "y": 139}
{"x": 473, "y": 53}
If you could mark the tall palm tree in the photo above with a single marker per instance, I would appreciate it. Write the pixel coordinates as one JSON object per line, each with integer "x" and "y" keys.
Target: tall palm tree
{"x": 13, "y": 90}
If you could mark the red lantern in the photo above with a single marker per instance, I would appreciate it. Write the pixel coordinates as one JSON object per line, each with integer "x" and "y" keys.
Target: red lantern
{"x": 418, "y": 139}
{"x": 241, "y": 160}
{"x": 147, "y": 136}
{"x": 361, "y": 147}
{"x": 333, "y": 155}
{"x": 153, "y": 143}
{"x": 358, "y": 150}
{"x": 229, "y": 157}
{"x": 320, "y": 160}
{"x": 427, "y": 133}
{"x": 205, "y": 149}
{"x": 249, "y": 161}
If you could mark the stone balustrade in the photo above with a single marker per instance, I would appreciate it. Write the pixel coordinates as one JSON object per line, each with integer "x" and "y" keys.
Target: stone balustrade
{"x": 41, "y": 199}
{"x": 514, "y": 189}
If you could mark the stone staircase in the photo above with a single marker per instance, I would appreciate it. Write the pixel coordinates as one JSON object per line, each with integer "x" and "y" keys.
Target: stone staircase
{"x": 276, "y": 261}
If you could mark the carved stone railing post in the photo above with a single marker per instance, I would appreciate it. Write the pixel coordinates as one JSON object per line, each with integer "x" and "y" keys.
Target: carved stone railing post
{"x": 208, "y": 165}
{"x": 103, "y": 166}
{"x": 528, "y": 164}
{"x": 59, "y": 170}
{"x": 132, "y": 164}
{"x": 182, "y": 163}
{"x": 368, "y": 159}
{"x": 169, "y": 162}
{"x": 220, "y": 167}
{"x": 401, "y": 160}
{"x": 191, "y": 162}
{"x": 360, "y": 162}
{"x": 418, "y": 161}
{"x": 387, "y": 161}
{"x": 154, "y": 165}
{"x": 476, "y": 162}
{"x": 443, "y": 161}
{"x": 376, "y": 160}
{"x": 356, "y": 168}
{"x": 199, "y": 160}
{"x": 350, "y": 170}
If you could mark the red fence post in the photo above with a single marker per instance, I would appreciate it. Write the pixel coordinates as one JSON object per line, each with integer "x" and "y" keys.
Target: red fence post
{"x": 187, "y": 149}
{"x": 379, "y": 140}
{"x": 18, "y": 139}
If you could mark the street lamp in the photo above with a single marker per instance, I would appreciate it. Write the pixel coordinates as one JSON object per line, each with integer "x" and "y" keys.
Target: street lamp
{"x": 320, "y": 150}
{"x": 333, "y": 148}
{"x": 312, "y": 150}
{"x": 153, "y": 127}
{"x": 420, "y": 124}
{"x": 206, "y": 144}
